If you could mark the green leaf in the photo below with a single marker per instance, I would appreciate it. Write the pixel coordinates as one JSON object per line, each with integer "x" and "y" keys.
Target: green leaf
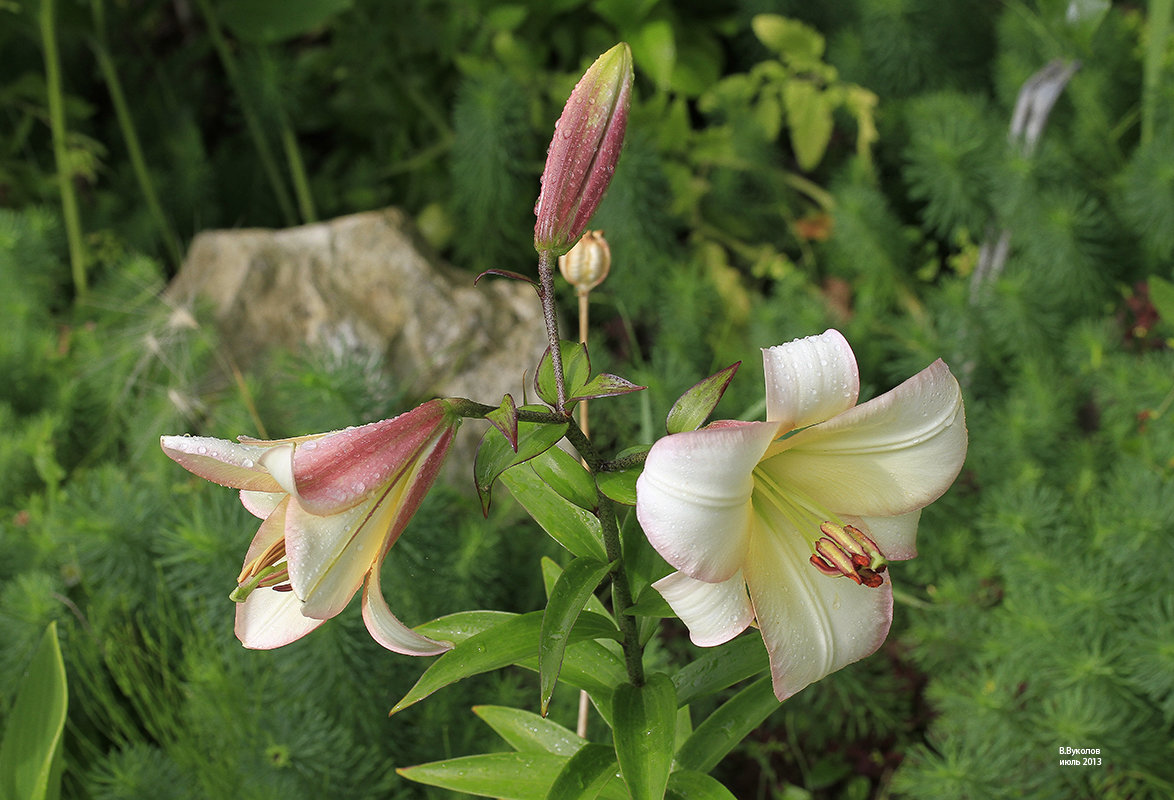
{"x": 809, "y": 120}
{"x": 585, "y": 775}
{"x": 690, "y": 785}
{"x": 654, "y": 50}
{"x": 694, "y": 406}
{"x": 604, "y": 385}
{"x": 268, "y": 21}
{"x": 496, "y": 453}
{"x": 721, "y": 667}
{"x": 1162, "y": 296}
{"x": 727, "y": 726}
{"x": 576, "y": 371}
{"x": 620, "y": 485}
{"x": 790, "y": 38}
{"x": 30, "y": 753}
{"x": 527, "y": 732}
{"x": 644, "y": 726}
{"x": 574, "y": 528}
{"x": 563, "y": 473}
{"x": 511, "y": 776}
{"x": 505, "y": 419}
{"x": 651, "y": 604}
{"x": 567, "y": 598}
{"x": 550, "y": 575}
{"x": 514, "y": 640}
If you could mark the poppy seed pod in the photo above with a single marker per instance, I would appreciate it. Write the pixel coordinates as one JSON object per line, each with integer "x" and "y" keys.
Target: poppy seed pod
{"x": 584, "y": 151}
{"x": 587, "y": 263}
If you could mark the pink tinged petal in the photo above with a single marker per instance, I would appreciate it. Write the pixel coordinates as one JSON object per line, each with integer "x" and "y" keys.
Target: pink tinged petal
{"x": 220, "y": 461}
{"x": 812, "y": 624}
{"x": 261, "y": 504}
{"x": 387, "y": 629}
{"x": 810, "y": 380}
{"x": 895, "y": 536}
{"x": 693, "y": 497}
{"x": 713, "y": 612}
{"x": 341, "y": 469}
{"x": 269, "y": 619}
{"x": 894, "y": 454}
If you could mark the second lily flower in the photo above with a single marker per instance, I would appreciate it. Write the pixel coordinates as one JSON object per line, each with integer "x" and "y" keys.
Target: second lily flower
{"x": 332, "y": 505}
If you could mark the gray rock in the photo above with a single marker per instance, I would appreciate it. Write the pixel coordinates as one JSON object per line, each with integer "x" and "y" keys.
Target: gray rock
{"x": 365, "y": 284}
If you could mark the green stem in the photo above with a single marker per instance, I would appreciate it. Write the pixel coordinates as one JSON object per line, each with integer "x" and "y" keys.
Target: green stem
{"x": 130, "y": 135}
{"x": 621, "y": 594}
{"x": 69, "y": 207}
{"x": 297, "y": 170}
{"x": 546, "y": 263}
{"x": 252, "y": 121}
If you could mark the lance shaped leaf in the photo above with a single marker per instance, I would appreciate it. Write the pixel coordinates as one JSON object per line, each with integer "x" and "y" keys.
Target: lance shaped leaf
{"x": 527, "y": 732}
{"x": 727, "y": 726}
{"x": 567, "y": 598}
{"x": 585, "y": 775}
{"x": 563, "y": 473}
{"x": 694, "y": 406}
{"x": 644, "y": 730}
{"x": 603, "y": 385}
{"x": 690, "y": 785}
{"x": 744, "y": 657}
{"x": 496, "y": 455}
{"x": 572, "y": 527}
{"x": 31, "y": 754}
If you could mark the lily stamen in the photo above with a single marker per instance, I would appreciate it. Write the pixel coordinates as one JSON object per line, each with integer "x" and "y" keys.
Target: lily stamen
{"x": 849, "y": 552}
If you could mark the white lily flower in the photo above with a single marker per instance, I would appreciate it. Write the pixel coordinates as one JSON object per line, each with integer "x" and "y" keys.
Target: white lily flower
{"x": 763, "y": 520}
{"x": 332, "y": 505}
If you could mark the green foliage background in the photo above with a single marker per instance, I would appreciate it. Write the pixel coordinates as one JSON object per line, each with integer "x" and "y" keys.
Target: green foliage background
{"x": 1038, "y": 614}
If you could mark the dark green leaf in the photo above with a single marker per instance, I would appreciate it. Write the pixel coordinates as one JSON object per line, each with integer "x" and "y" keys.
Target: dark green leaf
{"x": 30, "y": 754}
{"x": 527, "y": 732}
{"x": 644, "y": 728}
{"x": 511, "y": 776}
{"x": 550, "y": 575}
{"x": 574, "y": 528}
{"x": 567, "y": 598}
{"x": 585, "y": 774}
{"x": 563, "y": 473}
{"x": 721, "y": 667}
{"x": 620, "y": 485}
{"x": 694, "y": 406}
{"x": 727, "y": 726}
{"x": 690, "y": 785}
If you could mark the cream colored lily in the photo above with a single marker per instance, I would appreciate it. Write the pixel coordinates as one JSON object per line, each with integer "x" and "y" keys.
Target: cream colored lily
{"x": 332, "y": 505}
{"x": 757, "y": 517}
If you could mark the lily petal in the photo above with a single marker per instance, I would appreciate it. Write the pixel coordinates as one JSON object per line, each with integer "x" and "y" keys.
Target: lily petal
{"x": 694, "y": 496}
{"x": 220, "y": 461}
{"x": 261, "y": 504}
{"x": 269, "y": 619}
{"x": 812, "y": 624}
{"x": 329, "y": 556}
{"x": 895, "y": 536}
{"x": 339, "y": 470}
{"x": 271, "y": 531}
{"x": 713, "y": 612}
{"x": 386, "y": 628}
{"x": 810, "y": 380}
{"x": 894, "y": 454}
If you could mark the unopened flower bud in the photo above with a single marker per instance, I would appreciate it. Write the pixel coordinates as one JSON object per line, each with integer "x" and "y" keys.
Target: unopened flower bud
{"x": 584, "y": 151}
{"x": 587, "y": 263}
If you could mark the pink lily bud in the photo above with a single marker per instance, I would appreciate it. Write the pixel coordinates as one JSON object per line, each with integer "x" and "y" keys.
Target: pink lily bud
{"x": 584, "y": 151}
